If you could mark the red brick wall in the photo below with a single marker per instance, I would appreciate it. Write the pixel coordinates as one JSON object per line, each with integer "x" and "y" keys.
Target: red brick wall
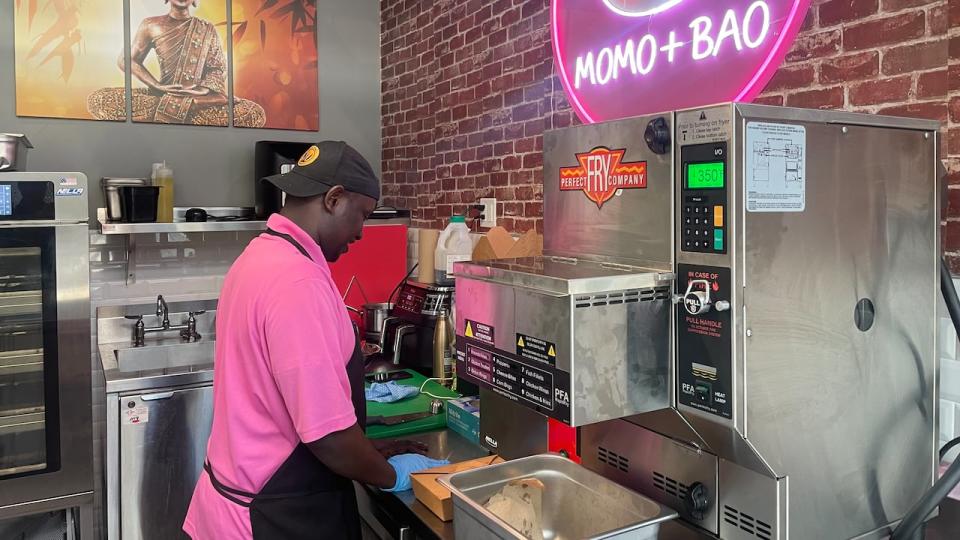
{"x": 468, "y": 88}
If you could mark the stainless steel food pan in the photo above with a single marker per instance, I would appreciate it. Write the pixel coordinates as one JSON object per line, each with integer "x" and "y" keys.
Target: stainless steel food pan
{"x": 577, "y": 503}
{"x": 13, "y": 152}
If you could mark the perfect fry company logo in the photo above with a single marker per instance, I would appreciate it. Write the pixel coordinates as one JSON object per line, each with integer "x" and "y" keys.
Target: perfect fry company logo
{"x": 622, "y": 58}
{"x": 602, "y": 173}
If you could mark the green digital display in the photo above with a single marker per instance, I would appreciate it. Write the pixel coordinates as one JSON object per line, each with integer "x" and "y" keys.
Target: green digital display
{"x": 705, "y": 175}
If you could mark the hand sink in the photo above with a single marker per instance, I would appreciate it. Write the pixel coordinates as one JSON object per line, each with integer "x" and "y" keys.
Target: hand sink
{"x": 166, "y": 354}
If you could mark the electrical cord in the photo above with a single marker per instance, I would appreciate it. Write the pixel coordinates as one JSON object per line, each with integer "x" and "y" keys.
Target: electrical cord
{"x": 910, "y": 526}
{"x": 402, "y": 281}
{"x": 438, "y": 379}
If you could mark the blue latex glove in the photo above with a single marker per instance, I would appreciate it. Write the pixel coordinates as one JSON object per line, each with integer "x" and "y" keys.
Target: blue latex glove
{"x": 389, "y": 392}
{"x": 407, "y": 464}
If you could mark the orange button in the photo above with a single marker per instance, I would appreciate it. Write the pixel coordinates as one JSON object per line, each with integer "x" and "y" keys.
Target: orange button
{"x": 718, "y": 216}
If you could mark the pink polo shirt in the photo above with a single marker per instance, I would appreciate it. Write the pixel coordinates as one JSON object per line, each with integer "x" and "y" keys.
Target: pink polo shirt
{"x": 283, "y": 343}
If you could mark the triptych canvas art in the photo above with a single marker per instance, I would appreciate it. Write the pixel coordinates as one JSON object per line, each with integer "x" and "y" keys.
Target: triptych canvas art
{"x": 193, "y": 62}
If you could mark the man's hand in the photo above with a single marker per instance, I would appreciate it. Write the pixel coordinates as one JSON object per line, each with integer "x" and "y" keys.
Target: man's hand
{"x": 397, "y": 447}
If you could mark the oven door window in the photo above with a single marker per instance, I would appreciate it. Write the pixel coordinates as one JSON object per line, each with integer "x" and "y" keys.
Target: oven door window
{"x": 29, "y": 409}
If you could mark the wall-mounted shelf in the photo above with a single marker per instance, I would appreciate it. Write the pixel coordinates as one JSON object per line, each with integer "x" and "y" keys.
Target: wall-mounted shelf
{"x": 181, "y": 226}
{"x": 242, "y": 221}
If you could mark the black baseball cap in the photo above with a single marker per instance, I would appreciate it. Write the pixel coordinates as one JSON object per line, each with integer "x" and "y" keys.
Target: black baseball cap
{"x": 327, "y": 164}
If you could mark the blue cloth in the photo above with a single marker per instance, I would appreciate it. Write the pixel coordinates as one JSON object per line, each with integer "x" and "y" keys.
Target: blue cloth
{"x": 389, "y": 392}
{"x": 407, "y": 464}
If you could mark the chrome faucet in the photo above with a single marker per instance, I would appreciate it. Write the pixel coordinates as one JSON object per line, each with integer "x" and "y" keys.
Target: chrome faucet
{"x": 188, "y": 330}
{"x": 163, "y": 311}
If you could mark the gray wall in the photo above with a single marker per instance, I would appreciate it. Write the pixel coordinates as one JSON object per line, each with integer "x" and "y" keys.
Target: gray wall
{"x": 213, "y": 166}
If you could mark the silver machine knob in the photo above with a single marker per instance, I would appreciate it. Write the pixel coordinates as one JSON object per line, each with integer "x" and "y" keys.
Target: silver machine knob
{"x": 721, "y": 305}
{"x": 697, "y": 298}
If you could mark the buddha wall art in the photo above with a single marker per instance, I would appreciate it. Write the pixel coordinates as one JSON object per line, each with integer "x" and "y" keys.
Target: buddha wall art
{"x": 178, "y": 59}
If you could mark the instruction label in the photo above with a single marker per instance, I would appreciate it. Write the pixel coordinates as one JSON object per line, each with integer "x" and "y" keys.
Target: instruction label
{"x": 533, "y": 348}
{"x": 703, "y": 126}
{"x": 136, "y": 415}
{"x": 775, "y": 167}
{"x": 478, "y": 331}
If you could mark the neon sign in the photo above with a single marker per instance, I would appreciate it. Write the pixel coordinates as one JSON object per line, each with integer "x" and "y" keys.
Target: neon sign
{"x": 619, "y": 58}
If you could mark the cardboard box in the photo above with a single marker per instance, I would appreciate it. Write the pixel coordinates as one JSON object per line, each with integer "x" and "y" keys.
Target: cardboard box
{"x": 499, "y": 244}
{"x": 436, "y": 497}
{"x": 463, "y": 418}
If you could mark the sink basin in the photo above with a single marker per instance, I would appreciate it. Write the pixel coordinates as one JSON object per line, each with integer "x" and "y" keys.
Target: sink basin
{"x": 165, "y": 355}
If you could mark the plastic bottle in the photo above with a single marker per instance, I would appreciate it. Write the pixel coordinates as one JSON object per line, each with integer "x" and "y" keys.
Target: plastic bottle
{"x": 163, "y": 178}
{"x": 454, "y": 245}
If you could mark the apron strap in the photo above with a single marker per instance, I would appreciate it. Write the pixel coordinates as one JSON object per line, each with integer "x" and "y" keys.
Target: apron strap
{"x": 226, "y": 491}
{"x": 290, "y": 239}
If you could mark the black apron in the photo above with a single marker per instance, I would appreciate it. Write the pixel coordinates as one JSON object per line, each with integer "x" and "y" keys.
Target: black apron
{"x": 304, "y": 499}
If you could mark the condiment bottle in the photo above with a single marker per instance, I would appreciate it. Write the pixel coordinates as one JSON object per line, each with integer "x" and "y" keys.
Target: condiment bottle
{"x": 163, "y": 178}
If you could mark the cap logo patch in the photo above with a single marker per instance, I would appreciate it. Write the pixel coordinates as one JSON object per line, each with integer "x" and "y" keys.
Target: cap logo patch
{"x": 309, "y": 156}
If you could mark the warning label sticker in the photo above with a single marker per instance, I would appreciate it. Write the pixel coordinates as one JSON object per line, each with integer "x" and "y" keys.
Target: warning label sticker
{"x": 533, "y": 348}
{"x": 775, "y": 167}
{"x": 479, "y": 331}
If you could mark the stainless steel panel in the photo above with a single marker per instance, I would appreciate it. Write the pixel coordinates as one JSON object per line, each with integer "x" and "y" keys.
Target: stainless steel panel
{"x": 614, "y": 345}
{"x": 751, "y": 504}
{"x": 561, "y": 276}
{"x": 633, "y": 227}
{"x": 620, "y": 364}
{"x": 652, "y": 464}
{"x": 161, "y": 459}
{"x": 486, "y": 303}
{"x": 848, "y": 415}
{"x": 509, "y": 429}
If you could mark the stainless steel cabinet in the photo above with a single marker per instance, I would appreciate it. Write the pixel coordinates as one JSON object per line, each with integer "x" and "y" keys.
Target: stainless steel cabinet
{"x": 161, "y": 445}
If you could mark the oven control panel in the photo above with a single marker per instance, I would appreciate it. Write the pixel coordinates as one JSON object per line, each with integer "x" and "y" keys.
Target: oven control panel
{"x": 703, "y": 195}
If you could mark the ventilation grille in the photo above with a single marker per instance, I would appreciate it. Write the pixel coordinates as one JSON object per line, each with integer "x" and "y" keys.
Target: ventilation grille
{"x": 747, "y": 523}
{"x": 613, "y": 459}
{"x": 624, "y": 297}
{"x": 669, "y": 486}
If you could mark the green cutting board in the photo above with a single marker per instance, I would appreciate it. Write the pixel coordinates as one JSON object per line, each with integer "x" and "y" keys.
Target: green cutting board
{"x": 420, "y": 403}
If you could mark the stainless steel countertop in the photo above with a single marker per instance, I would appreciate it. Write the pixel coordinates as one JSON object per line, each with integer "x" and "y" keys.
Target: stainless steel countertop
{"x": 446, "y": 444}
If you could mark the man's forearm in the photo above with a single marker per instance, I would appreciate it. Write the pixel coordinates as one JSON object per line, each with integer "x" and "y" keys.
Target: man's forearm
{"x": 349, "y": 454}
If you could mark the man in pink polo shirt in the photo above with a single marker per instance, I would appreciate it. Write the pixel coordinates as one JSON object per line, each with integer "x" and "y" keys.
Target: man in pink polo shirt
{"x": 289, "y": 412}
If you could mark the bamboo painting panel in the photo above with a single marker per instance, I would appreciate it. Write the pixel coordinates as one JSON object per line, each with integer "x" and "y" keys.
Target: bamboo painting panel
{"x": 275, "y": 61}
{"x": 65, "y": 50}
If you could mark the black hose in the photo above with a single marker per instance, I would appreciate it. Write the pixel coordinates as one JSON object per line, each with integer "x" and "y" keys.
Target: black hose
{"x": 949, "y": 295}
{"x": 941, "y": 488}
{"x": 948, "y": 447}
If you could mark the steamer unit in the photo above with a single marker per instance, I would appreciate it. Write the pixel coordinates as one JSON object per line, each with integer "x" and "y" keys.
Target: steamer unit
{"x": 788, "y": 390}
